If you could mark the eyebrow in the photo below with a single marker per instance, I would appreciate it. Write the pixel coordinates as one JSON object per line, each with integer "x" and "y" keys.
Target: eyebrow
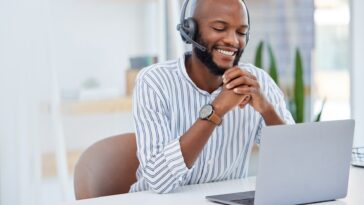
{"x": 223, "y": 22}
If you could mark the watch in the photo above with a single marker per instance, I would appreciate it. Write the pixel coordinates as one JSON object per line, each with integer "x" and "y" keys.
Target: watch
{"x": 207, "y": 112}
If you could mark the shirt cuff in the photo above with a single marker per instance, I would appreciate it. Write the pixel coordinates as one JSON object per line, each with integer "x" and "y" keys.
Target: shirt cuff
{"x": 175, "y": 160}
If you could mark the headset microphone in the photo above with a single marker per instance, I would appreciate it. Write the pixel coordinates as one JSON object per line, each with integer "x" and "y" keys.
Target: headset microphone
{"x": 188, "y": 39}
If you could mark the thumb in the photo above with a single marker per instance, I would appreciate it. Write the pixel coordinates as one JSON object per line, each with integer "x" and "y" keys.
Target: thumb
{"x": 245, "y": 101}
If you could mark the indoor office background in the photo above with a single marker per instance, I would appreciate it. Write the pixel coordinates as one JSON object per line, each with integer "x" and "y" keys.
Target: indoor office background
{"x": 67, "y": 71}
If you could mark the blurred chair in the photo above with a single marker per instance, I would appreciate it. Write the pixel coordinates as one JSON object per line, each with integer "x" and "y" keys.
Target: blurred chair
{"x": 107, "y": 167}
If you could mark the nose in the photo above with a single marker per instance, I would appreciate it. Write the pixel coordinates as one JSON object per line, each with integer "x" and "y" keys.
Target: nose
{"x": 232, "y": 39}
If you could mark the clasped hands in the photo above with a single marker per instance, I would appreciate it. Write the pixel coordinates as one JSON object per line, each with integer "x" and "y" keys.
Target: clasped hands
{"x": 240, "y": 87}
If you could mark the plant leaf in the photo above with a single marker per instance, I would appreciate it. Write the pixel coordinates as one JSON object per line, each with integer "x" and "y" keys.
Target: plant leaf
{"x": 299, "y": 95}
{"x": 259, "y": 55}
{"x": 318, "y": 116}
{"x": 273, "y": 65}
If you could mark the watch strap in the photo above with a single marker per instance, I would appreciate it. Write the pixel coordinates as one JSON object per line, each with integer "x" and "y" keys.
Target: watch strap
{"x": 215, "y": 118}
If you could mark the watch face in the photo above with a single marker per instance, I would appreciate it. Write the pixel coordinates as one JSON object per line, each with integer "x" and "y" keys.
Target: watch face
{"x": 205, "y": 111}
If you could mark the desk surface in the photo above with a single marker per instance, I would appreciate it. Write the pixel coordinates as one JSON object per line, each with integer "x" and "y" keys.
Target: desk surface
{"x": 195, "y": 194}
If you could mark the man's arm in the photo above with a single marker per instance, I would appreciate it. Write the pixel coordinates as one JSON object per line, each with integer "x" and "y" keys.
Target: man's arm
{"x": 165, "y": 159}
{"x": 193, "y": 141}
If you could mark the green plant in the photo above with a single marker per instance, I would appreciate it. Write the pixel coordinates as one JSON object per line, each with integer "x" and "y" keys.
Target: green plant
{"x": 296, "y": 102}
{"x": 318, "y": 116}
{"x": 299, "y": 89}
{"x": 259, "y": 55}
{"x": 273, "y": 65}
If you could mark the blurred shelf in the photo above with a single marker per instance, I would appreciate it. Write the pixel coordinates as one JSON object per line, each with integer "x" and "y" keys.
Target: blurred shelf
{"x": 122, "y": 104}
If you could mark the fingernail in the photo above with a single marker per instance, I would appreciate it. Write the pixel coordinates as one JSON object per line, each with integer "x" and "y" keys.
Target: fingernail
{"x": 228, "y": 86}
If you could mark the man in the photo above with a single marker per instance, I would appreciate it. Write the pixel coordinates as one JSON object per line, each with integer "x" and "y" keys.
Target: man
{"x": 197, "y": 117}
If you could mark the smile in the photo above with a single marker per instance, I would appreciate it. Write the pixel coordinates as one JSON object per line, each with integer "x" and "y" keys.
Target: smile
{"x": 227, "y": 53}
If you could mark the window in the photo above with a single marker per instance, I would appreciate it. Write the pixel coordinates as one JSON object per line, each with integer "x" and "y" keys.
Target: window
{"x": 331, "y": 59}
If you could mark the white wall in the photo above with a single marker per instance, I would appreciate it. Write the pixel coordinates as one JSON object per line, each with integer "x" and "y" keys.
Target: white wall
{"x": 23, "y": 65}
{"x": 357, "y": 69}
{"x": 81, "y": 39}
{"x": 95, "y": 38}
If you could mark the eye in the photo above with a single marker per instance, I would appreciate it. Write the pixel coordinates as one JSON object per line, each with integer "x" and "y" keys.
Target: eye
{"x": 218, "y": 29}
{"x": 241, "y": 33}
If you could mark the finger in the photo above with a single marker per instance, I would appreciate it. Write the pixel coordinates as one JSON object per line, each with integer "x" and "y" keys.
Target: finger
{"x": 231, "y": 69}
{"x": 252, "y": 76}
{"x": 243, "y": 90}
{"x": 242, "y": 81}
{"x": 248, "y": 73}
{"x": 236, "y": 72}
{"x": 228, "y": 74}
{"x": 246, "y": 99}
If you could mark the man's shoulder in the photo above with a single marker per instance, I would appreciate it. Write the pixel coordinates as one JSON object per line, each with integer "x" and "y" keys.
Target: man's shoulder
{"x": 158, "y": 69}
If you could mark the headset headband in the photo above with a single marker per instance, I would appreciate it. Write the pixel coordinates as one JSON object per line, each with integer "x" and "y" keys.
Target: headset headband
{"x": 184, "y": 7}
{"x": 188, "y": 27}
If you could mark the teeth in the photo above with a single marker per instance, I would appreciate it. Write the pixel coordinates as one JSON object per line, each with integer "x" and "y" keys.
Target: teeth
{"x": 228, "y": 53}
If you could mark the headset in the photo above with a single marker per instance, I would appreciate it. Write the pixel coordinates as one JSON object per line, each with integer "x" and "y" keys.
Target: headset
{"x": 188, "y": 27}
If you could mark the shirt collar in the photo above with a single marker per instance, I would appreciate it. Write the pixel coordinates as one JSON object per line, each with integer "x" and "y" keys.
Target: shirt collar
{"x": 183, "y": 71}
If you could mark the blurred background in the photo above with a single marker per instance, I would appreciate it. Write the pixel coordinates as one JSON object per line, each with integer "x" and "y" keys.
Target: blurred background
{"x": 67, "y": 71}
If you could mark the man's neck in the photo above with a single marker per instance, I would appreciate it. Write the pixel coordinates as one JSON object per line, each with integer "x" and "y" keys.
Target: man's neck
{"x": 201, "y": 75}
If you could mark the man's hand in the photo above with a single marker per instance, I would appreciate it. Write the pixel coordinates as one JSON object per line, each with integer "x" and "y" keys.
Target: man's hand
{"x": 244, "y": 83}
{"x": 227, "y": 100}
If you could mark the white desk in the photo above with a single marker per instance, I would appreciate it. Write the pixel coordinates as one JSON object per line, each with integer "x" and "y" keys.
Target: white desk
{"x": 195, "y": 194}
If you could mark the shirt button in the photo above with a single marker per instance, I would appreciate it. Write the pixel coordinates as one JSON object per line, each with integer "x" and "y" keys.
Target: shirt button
{"x": 210, "y": 162}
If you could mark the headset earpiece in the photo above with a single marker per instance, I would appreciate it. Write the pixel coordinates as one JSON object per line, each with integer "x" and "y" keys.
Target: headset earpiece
{"x": 189, "y": 26}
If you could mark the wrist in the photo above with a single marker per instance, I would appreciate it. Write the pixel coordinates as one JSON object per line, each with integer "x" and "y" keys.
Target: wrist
{"x": 267, "y": 110}
{"x": 219, "y": 109}
{"x": 208, "y": 112}
{"x": 271, "y": 117}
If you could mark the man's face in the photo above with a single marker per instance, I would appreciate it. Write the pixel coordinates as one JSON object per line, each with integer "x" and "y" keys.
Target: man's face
{"x": 207, "y": 59}
{"x": 222, "y": 28}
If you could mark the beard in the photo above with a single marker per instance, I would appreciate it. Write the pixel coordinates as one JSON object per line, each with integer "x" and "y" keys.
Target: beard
{"x": 206, "y": 58}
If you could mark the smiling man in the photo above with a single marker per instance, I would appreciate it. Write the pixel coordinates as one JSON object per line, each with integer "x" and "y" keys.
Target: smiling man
{"x": 197, "y": 117}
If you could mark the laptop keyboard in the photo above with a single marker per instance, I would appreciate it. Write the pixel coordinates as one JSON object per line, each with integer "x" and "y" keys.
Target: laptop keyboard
{"x": 249, "y": 201}
{"x": 358, "y": 157}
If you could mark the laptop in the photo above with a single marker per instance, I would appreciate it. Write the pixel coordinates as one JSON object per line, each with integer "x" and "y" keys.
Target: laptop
{"x": 301, "y": 163}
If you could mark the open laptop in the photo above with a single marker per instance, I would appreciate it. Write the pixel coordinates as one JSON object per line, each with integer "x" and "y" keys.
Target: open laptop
{"x": 299, "y": 164}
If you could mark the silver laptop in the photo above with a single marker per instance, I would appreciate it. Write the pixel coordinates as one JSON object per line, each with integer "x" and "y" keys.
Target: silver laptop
{"x": 299, "y": 164}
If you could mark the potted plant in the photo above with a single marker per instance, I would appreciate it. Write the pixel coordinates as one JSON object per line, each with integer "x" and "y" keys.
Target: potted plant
{"x": 296, "y": 101}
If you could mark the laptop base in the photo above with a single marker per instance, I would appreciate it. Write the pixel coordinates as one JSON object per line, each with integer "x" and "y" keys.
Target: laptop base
{"x": 239, "y": 198}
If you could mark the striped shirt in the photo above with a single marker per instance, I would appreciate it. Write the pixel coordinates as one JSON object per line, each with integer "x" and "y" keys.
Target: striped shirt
{"x": 166, "y": 103}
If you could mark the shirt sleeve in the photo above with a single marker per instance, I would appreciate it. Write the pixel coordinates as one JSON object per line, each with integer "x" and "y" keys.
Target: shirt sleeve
{"x": 276, "y": 97}
{"x": 159, "y": 153}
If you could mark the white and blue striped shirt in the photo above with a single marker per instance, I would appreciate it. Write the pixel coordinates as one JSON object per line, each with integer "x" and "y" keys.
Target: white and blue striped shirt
{"x": 166, "y": 103}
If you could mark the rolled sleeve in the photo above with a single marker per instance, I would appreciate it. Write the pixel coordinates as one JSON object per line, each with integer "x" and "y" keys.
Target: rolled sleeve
{"x": 159, "y": 152}
{"x": 174, "y": 158}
